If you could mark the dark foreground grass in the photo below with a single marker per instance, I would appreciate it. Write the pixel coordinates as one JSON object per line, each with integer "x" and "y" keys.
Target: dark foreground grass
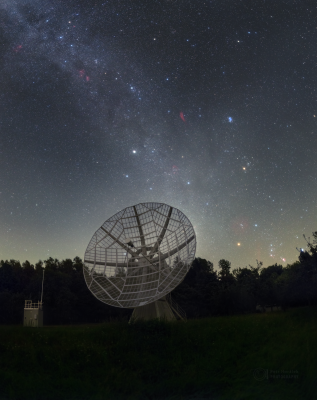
{"x": 269, "y": 356}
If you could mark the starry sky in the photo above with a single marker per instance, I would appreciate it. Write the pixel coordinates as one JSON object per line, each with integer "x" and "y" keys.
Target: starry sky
{"x": 208, "y": 106}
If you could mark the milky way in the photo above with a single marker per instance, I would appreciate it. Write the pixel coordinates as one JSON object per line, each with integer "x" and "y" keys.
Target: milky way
{"x": 209, "y": 107}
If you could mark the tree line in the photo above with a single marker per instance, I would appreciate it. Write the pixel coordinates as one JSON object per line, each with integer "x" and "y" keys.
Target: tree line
{"x": 204, "y": 291}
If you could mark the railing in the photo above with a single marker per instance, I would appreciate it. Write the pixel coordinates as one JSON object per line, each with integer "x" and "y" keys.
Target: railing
{"x": 176, "y": 308}
{"x": 29, "y": 304}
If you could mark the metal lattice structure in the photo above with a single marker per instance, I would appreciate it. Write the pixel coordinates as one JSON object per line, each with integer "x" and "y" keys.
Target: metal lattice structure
{"x": 139, "y": 255}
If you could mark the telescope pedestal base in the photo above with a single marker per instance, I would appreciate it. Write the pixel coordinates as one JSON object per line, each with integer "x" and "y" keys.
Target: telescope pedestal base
{"x": 159, "y": 309}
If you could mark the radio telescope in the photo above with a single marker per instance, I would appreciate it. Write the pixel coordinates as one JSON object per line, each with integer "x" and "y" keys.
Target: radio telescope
{"x": 138, "y": 256}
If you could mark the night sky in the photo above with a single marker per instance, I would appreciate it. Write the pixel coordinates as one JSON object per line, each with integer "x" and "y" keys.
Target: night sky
{"x": 208, "y": 106}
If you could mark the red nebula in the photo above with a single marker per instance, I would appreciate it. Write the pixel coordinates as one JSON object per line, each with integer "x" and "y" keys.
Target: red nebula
{"x": 182, "y": 116}
{"x": 82, "y": 74}
{"x": 18, "y": 48}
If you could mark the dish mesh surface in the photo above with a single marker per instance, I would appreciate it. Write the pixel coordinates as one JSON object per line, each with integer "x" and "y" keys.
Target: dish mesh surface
{"x": 139, "y": 255}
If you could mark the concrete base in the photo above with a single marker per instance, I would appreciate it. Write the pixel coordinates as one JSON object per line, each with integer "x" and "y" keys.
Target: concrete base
{"x": 158, "y": 309}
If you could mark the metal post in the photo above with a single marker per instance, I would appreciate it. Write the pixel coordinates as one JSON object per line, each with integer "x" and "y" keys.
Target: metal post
{"x": 42, "y": 286}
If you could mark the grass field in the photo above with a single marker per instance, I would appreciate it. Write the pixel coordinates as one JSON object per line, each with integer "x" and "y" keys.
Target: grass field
{"x": 259, "y": 356}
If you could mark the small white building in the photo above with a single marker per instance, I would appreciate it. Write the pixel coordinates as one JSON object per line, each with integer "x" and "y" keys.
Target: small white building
{"x": 33, "y": 314}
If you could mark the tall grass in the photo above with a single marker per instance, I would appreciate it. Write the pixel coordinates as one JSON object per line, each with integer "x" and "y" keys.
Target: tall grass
{"x": 270, "y": 356}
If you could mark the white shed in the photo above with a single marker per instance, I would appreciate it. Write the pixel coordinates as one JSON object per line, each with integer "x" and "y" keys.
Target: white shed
{"x": 33, "y": 314}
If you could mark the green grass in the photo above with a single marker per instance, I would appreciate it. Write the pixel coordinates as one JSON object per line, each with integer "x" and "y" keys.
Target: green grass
{"x": 212, "y": 358}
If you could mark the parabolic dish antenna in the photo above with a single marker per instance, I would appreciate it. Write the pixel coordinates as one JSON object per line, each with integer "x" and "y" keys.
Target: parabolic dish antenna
{"x": 139, "y": 255}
